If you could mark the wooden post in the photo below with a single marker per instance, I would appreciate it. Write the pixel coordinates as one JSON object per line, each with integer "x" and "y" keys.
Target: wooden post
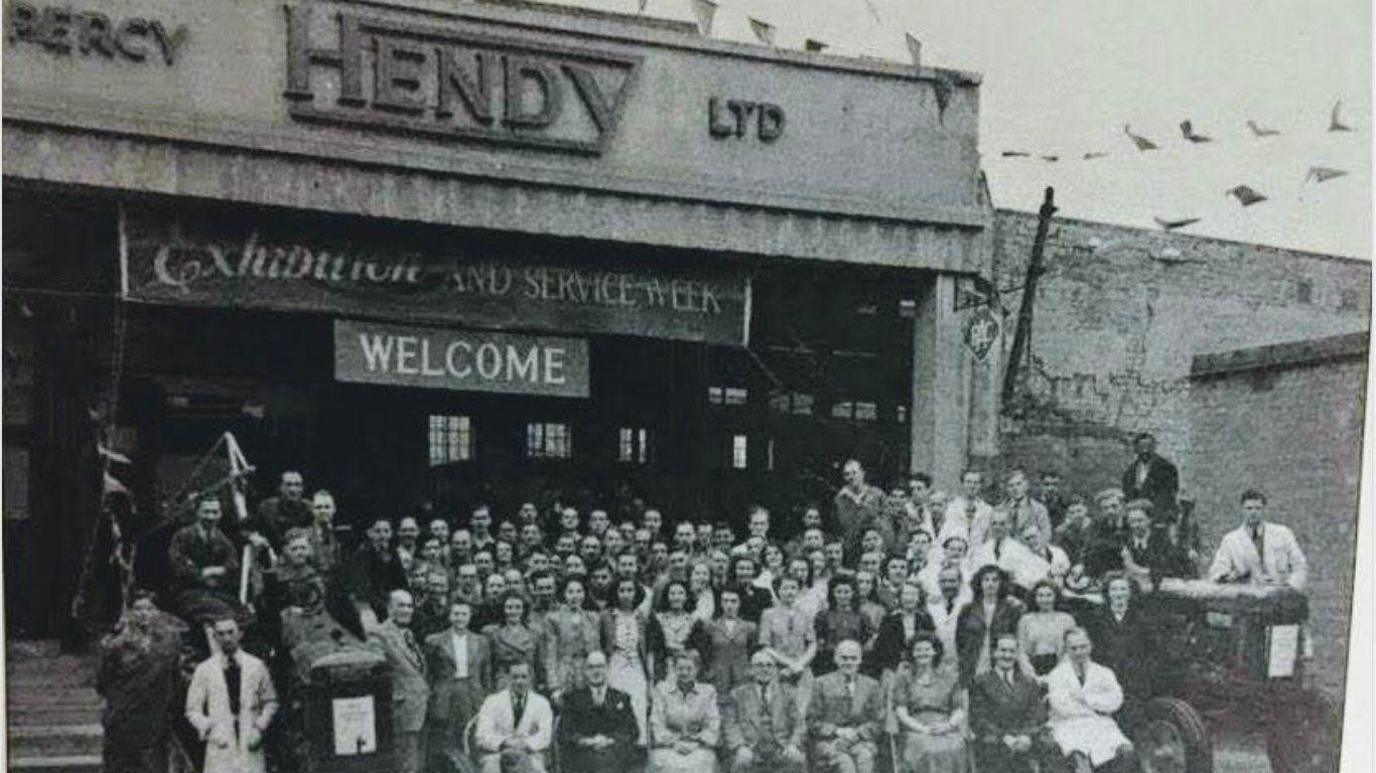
{"x": 1023, "y": 332}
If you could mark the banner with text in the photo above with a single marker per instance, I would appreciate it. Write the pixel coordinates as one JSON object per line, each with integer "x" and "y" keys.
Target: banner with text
{"x": 466, "y": 360}
{"x": 392, "y": 271}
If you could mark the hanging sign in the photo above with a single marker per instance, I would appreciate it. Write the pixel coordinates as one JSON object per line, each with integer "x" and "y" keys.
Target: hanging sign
{"x": 465, "y": 360}
{"x": 410, "y": 274}
{"x": 981, "y": 332}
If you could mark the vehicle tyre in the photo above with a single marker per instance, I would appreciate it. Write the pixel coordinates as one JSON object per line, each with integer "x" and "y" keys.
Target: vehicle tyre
{"x": 1303, "y": 736}
{"x": 1170, "y": 737}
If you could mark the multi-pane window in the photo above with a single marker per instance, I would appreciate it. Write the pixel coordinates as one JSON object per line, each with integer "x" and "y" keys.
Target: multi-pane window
{"x": 548, "y": 440}
{"x": 740, "y": 452}
{"x": 451, "y": 439}
{"x": 855, "y": 410}
{"x": 634, "y": 445}
{"x": 725, "y": 395}
{"x": 799, "y": 403}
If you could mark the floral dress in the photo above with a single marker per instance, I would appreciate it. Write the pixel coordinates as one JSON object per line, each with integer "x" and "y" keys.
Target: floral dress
{"x": 569, "y": 635}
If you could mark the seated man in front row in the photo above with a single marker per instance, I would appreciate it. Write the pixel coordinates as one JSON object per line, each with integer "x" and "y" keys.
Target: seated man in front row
{"x": 1008, "y": 716}
{"x": 597, "y": 726}
{"x": 1084, "y": 696}
{"x": 763, "y": 722}
{"x": 845, "y": 715}
{"x": 514, "y": 725}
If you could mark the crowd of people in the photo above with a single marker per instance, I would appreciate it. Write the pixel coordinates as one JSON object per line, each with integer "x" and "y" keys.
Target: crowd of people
{"x": 913, "y": 631}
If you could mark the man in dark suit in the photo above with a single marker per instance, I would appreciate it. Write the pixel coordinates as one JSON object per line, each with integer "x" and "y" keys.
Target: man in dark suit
{"x": 1151, "y": 476}
{"x": 410, "y": 692}
{"x": 459, "y": 664}
{"x": 373, "y": 572}
{"x": 597, "y": 727}
{"x": 844, "y": 715}
{"x": 763, "y": 722}
{"x": 1149, "y": 554}
{"x": 1008, "y": 716}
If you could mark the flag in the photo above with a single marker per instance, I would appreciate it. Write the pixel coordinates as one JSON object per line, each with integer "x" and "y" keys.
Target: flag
{"x": 914, "y": 48}
{"x": 1187, "y": 131}
{"x": 1171, "y": 225}
{"x": 1323, "y": 173}
{"x": 1141, "y": 142}
{"x": 1245, "y": 195}
{"x": 1261, "y": 131}
{"x": 643, "y": 3}
{"x": 763, "y": 30}
{"x": 1335, "y": 121}
{"x": 705, "y": 11}
{"x": 813, "y": 45}
{"x": 113, "y": 486}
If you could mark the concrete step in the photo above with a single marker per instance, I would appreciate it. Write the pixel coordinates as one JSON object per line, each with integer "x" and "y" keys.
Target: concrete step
{"x": 79, "y": 763}
{"x": 38, "y": 741}
{"x": 57, "y": 695}
{"x": 70, "y": 714}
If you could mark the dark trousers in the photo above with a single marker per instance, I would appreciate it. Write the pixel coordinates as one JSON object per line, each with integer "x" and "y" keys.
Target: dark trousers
{"x": 122, "y": 758}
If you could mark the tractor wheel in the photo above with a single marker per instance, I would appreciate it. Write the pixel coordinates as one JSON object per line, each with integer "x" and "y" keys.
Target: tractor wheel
{"x": 1171, "y": 738}
{"x": 1303, "y": 736}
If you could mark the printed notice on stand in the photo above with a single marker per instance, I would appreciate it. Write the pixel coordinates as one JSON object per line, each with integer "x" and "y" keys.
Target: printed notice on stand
{"x": 355, "y": 729}
{"x": 1285, "y": 648}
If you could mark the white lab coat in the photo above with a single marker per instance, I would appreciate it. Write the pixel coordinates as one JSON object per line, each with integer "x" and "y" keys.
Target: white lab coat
{"x": 1237, "y": 557}
{"x": 1022, "y": 565}
{"x": 1081, "y": 715}
{"x": 497, "y": 722}
{"x": 207, "y": 708}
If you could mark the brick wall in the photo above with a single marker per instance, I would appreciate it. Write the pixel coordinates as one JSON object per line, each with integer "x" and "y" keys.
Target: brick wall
{"x": 1294, "y": 431}
{"x": 1119, "y": 314}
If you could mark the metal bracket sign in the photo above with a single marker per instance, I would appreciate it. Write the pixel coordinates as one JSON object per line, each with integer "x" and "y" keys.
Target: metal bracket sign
{"x": 981, "y": 332}
{"x": 231, "y": 259}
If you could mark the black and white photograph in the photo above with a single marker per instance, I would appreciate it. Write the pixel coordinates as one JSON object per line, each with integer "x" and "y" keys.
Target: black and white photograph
{"x": 686, "y": 386}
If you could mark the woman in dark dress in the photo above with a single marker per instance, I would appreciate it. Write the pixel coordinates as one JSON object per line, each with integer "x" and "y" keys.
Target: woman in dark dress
{"x": 899, "y": 629}
{"x": 839, "y": 622}
{"x": 991, "y": 612}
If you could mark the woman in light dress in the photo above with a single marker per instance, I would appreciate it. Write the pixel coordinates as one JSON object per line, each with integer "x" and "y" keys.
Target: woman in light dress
{"x": 930, "y": 709}
{"x": 627, "y": 646}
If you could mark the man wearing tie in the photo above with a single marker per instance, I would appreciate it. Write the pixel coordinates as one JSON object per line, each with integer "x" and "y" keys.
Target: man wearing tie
{"x": 1259, "y": 552}
{"x": 968, "y": 514}
{"x": 515, "y": 724}
{"x": 597, "y": 726}
{"x": 1149, "y": 554}
{"x": 763, "y": 722}
{"x": 231, "y": 702}
{"x": 459, "y": 663}
{"x": 410, "y": 692}
{"x": 844, "y": 715}
{"x": 1008, "y": 715}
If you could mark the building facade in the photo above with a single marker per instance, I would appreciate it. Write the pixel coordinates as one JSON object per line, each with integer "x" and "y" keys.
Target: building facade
{"x": 437, "y": 254}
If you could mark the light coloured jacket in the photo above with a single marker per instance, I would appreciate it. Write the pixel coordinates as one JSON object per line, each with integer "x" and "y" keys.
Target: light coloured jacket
{"x": 207, "y": 709}
{"x": 1237, "y": 557}
{"x": 497, "y": 722}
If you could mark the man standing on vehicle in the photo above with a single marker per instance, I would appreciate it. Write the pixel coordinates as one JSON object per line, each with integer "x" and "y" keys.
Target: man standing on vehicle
{"x": 1259, "y": 552}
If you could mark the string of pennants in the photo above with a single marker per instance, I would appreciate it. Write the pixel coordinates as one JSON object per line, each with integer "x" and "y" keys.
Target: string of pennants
{"x": 704, "y": 11}
{"x": 1245, "y": 195}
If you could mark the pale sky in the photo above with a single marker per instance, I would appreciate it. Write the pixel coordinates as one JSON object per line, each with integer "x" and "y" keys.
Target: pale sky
{"x": 1061, "y": 77}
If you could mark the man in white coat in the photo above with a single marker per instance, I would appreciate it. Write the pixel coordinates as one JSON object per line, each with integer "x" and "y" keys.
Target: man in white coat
{"x": 515, "y": 722}
{"x": 1259, "y": 552}
{"x": 231, "y": 702}
{"x": 1083, "y": 697}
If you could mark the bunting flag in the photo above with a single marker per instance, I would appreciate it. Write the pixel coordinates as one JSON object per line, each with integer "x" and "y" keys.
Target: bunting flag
{"x": 874, "y": 12}
{"x": 113, "y": 456}
{"x": 642, "y": 4}
{"x": 1093, "y": 154}
{"x": 1171, "y": 225}
{"x": 705, "y": 11}
{"x": 1187, "y": 131}
{"x": 1015, "y": 154}
{"x": 112, "y": 485}
{"x": 1323, "y": 173}
{"x": 1141, "y": 142}
{"x": 914, "y": 48}
{"x": 764, "y": 31}
{"x": 1260, "y": 131}
{"x": 1335, "y": 121}
{"x": 814, "y": 46}
{"x": 1245, "y": 195}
